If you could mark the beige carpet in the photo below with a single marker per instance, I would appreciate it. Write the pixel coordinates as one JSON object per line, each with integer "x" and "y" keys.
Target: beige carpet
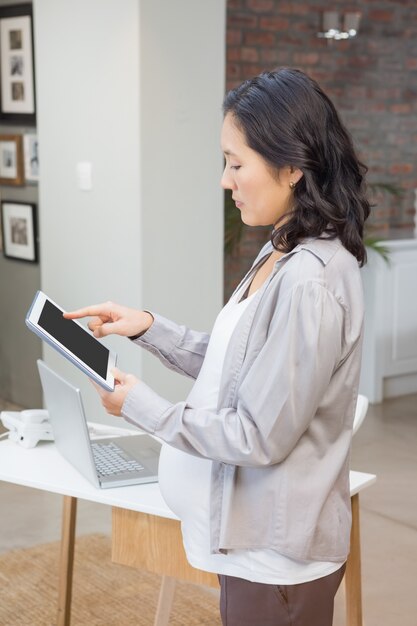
{"x": 104, "y": 594}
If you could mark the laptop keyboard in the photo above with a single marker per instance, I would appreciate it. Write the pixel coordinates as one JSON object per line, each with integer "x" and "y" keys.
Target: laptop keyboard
{"x": 111, "y": 460}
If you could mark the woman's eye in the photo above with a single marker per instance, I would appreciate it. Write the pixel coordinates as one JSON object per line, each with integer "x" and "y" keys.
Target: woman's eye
{"x": 235, "y": 167}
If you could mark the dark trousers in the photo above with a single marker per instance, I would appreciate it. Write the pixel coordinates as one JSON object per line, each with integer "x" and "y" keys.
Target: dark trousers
{"x": 243, "y": 603}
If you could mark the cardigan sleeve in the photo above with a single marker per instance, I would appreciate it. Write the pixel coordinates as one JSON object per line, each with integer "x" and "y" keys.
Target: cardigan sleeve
{"x": 179, "y": 348}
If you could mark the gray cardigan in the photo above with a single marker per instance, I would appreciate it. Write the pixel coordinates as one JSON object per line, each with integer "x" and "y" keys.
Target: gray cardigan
{"x": 280, "y": 437}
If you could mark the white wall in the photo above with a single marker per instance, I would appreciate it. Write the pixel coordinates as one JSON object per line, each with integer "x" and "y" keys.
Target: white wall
{"x": 135, "y": 88}
{"x": 182, "y": 53}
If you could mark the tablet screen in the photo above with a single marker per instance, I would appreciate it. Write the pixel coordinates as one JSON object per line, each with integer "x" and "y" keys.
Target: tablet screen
{"x": 74, "y": 338}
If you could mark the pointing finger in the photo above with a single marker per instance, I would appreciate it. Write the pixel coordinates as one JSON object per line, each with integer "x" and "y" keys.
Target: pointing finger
{"x": 95, "y": 309}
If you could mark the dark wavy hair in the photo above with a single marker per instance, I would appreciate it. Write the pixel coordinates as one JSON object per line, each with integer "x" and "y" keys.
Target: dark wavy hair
{"x": 287, "y": 118}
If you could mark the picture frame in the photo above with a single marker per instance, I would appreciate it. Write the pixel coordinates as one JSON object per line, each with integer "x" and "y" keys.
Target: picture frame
{"x": 19, "y": 231}
{"x": 11, "y": 160}
{"x": 17, "y": 76}
{"x": 31, "y": 157}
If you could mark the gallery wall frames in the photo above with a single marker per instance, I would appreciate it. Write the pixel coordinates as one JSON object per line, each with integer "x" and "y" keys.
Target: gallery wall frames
{"x": 17, "y": 78}
{"x": 11, "y": 160}
{"x": 31, "y": 157}
{"x": 19, "y": 159}
{"x": 19, "y": 231}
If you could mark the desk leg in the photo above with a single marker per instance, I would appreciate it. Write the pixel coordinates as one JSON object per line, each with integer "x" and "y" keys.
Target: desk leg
{"x": 69, "y": 515}
{"x": 166, "y": 598}
{"x": 353, "y": 579}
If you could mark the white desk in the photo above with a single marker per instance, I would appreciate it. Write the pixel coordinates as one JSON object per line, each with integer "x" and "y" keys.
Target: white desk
{"x": 44, "y": 468}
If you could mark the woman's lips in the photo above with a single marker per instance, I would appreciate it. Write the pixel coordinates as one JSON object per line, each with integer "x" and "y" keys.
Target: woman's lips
{"x": 238, "y": 204}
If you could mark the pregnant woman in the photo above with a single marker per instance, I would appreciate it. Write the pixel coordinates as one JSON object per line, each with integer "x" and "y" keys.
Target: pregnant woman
{"x": 256, "y": 458}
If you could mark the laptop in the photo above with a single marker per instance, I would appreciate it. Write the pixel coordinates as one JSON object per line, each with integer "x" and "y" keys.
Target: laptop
{"x": 108, "y": 462}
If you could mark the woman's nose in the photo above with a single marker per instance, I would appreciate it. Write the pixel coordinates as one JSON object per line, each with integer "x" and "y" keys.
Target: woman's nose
{"x": 226, "y": 180}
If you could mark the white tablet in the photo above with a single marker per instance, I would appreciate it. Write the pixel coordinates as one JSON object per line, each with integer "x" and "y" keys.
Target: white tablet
{"x": 72, "y": 340}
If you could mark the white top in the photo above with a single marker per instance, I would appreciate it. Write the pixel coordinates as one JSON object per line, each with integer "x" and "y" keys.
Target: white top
{"x": 184, "y": 481}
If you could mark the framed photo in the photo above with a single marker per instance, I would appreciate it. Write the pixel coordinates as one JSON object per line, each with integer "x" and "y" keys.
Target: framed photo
{"x": 11, "y": 160}
{"x": 17, "y": 85}
{"x": 19, "y": 233}
{"x": 31, "y": 157}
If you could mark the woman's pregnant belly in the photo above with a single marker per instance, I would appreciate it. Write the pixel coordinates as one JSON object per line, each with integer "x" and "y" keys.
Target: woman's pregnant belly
{"x": 184, "y": 481}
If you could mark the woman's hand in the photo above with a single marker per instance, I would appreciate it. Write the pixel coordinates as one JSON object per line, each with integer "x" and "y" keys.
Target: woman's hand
{"x": 110, "y": 318}
{"x": 114, "y": 400}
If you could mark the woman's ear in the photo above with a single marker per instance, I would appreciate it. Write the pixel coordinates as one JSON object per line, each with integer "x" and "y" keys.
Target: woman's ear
{"x": 296, "y": 174}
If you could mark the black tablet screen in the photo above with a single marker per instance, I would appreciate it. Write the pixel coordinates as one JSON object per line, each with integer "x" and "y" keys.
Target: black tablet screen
{"x": 74, "y": 338}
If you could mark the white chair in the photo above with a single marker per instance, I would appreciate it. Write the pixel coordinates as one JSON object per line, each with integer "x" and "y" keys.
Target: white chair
{"x": 360, "y": 413}
{"x": 351, "y": 592}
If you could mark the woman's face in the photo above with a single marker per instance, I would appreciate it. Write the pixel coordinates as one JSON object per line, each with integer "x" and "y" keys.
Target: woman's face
{"x": 261, "y": 196}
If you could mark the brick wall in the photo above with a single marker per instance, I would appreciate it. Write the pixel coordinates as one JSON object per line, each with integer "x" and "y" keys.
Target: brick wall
{"x": 372, "y": 79}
